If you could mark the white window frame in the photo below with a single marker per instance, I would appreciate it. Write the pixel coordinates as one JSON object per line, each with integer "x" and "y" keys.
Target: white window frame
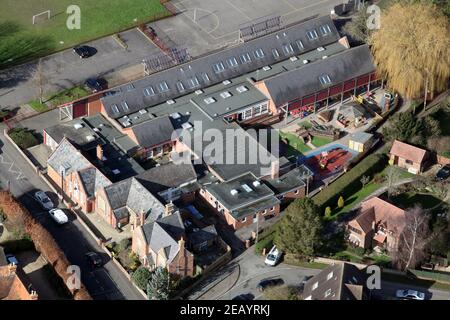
{"x": 312, "y": 34}
{"x": 259, "y": 53}
{"x": 218, "y": 67}
{"x": 245, "y": 58}
{"x": 232, "y": 62}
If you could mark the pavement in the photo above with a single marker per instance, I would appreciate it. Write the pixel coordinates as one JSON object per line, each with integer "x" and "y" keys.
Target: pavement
{"x": 104, "y": 283}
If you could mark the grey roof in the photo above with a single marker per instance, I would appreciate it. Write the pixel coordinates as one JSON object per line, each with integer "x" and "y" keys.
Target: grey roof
{"x": 167, "y": 176}
{"x": 76, "y": 131}
{"x": 164, "y": 233}
{"x": 304, "y": 81}
{"x": 353, "y": 110}
{"x": 127, "y": 99}
{"x": 130, "y": 194}
{"x": 202, "y": 235}
{"x": 248, "y": 195}
{"x": 92, "y": 180}
{"x": 153, "y": 132}
{"x": 341, "y": 281}
{"x": 361, "y": 136}
{"x": 290, "y": 181}
{"x": 68, "y": 157}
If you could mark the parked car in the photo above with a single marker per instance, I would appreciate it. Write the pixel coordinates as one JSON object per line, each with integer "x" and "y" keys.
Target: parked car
{"x": 94, "y": 259}
{"x": 410, "y": 295}
{"x": 11, "y": 259}
{"x": 244, "y": 296}
{"x": 266, "y": 283}
{"x": 273, "y": 257}
{"x": 44, "y": 200}
{"x": 84, "y": 51}
{"x": 443, "y": 173}
{"x": 59, "y": 216}
{"x": 96, "y": 84}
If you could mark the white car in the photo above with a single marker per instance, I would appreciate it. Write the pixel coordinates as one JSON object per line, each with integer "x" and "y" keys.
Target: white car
{"x": 44, "y": 200}
{"x": 410, "y": 294}
{"x": 273, "y": 257}
{"x": 59, "y": 216}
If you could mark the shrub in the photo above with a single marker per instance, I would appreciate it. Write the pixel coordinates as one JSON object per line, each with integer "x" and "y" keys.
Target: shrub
{"x": 122, "y": 245}
{"x": 341, "y": 202}
{"x": 23, "y": 138}
{"x": 141, "y": 277}
{"x": 266, "y": 242}
{"x": 328, "y": 212}
{"x": 350, "y": 183}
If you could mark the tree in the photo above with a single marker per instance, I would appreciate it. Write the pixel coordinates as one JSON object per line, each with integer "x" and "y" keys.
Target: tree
{"x": 413, "y": 239}
{"x": 357, "y": 27}
{"x": 327, "y": 212}
{"x": 141, "y": 277}
{"x": 392, "y": 177}
{"x": 158, "y": 286}
{"x": 299, "y": 230}
{"x": 364, "y": 180}
{"x": 414, "y": 59}
{"x": 341, "y": 202}
{"x": 40, "y": 80}
{"x": 403, "y": 126}
{"x": 439, "y": 144}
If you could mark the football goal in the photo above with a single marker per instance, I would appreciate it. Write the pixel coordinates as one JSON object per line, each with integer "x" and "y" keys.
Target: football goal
{"x": 45, "y": 15}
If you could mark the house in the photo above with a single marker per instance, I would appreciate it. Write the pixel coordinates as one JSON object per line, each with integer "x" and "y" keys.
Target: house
{"x": 378, "y": 223}
{"x": 341, "y": 281}
{"x": 407, "y": 156}
{"x": 127, "y": 201}
{"x": 11, "y": 286}
{"x": 161, "y": 243}
{"x": 361, "y": 141}
{"x": 79, "y": 179}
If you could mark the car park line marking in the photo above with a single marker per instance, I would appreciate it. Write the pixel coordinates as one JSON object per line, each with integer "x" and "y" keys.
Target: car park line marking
{"x": 19, "y": 173}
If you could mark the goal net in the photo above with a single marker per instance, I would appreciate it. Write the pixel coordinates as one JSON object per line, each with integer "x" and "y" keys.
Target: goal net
{"x": 45, "y": 15}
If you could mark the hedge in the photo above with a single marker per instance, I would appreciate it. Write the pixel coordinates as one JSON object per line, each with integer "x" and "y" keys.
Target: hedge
{"x": 265, "y": 239}
{"x": 349, "y": 183}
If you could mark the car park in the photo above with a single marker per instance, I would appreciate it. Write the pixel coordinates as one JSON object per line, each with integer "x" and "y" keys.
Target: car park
{"x": 410, "y": 295}
{"x": 59, "y": 216}
{"x": 44, "y": 200}
{"x": 273, "y": 257}
{"x": 267, "y": 283}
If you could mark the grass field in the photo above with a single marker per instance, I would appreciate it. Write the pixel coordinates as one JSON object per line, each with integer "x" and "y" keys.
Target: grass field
{"x": 20, "y": 40}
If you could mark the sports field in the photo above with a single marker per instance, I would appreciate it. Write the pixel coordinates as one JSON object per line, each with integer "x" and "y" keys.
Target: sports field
{"x": 20, "y": 40}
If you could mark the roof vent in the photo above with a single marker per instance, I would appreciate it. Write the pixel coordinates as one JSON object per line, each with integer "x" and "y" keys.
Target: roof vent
{"x": 175, "y": 115}
{"x": 305, "y": 61}
{"x": 90, "y": 138}
{"x": 320, "y": 49}
{"x": 171, "y": 101}
{"x": 78, "y": 125}
{"x": 256, "y": 183}
{"x": 209, "y": 100}
{"x": 267, "y": 68}
{"x": 142, "y": 111}
{"x": 116, "y": 171}
{"x": 225, "y": 94}
{"x": 197, "y": 92}
{"x": 324, "y": 57}
{"x": 234, "y": 192}
{"x": 293, "y": 59}
{"x": 226, "y": 82}
{"x": 241, "y": 89}
{"x": 246, "y": 188}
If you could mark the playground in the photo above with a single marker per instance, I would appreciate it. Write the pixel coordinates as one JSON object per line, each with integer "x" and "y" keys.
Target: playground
{"x": 328, "y": 161}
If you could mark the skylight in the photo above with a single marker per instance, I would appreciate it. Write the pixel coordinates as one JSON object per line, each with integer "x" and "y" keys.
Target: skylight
{"x": 241, "y": 89}
{"x": 330, "y": 275}
{"x": 287, "y": 49}
{"x": 114, "y": 108}
{"x": 125, "y": 106}
{"x": 209, "y": 100}
{"x": 218, "y": 67}
{"x": 163, "y": 87}
{"x": 193, "y": 82}
{"x": 275, "y": 53}
{"x": 130, "y": 87}
{"x": 148, "y": 92}
{"x": 299, "y": 44}
{"x": 180, "y": 86}
{"x": 259, "y": 53}
{"x": 225, "y": 94}
{"x": 325, "y": 79}
{"x": 245, "y": 58}
{"x": 246, "y": 188}
{"x": 325, "y": 29}
{"x": 232, "y": 62}
{"x": 312, "y": 35}
{"x": 205, "y": 77}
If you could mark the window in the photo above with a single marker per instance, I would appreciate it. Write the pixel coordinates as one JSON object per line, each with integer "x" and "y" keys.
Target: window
{"x": 408, "y": 161}
{"x": 325, "y": 79}
{"x": 163, "y": 87}
{"x": 218, "y": 67}
{"x": 205, "y": 77}
{"x": 325, "y": 29}
{"x": 330, "y": 275}
{"x": 246, "y": 114}
{"x": 245, "y": 58}
{"x": 287, "y": 49}
{"x": 193, "y": 82}
{"x": 315, "y": 285}
{"x": 259, "y": 53}
{"x": 275, "y": 53}
{"x": 273, "y": 209}
{"x": 312, "y": 35}
{"x": 232, "y": 62}
{"x": 245, "y": 219}
{"x": 114, "y": 108}
{"x": 296, "y": 192}
{"x": 125, "y": 106}
{"x": 180, "y": 86}
{"x": 327, "y": 293}
{"x": 148, "y": 92}
{"x": 299, "y": 44}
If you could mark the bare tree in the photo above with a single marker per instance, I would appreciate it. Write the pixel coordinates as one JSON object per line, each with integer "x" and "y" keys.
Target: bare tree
{"x": 40, "y": 80}
{"x": 364, "y": 180}
{"x": 413, "y": 239}
{"x": 392, "y": 177}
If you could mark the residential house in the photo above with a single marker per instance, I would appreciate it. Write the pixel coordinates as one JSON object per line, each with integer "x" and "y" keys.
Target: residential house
{"x": 341, "y": 281}
{"x": 161, "y": 243}
{"x": 407, "y": 156}
{"x": 379, "y": 223}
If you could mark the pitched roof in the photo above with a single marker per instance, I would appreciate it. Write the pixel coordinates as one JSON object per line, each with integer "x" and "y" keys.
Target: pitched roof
{"x": 305, "y": 80}
{"x": 202, "y": 235}
{"x": 68, "y": 157}
{"x": 341, "y": 281}
{"x": 92, "y": 180}
{"x": 153, "y": 132}
{"x": 361, "y": 136}
{"x": 407, "y": 151}
{"x": 134, "y": 95}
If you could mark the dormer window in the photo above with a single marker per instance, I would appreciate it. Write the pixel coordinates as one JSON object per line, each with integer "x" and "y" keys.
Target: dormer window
{"x": 325, "y": 29}
{"x": 218, "y": 67}
{"x": 325, "y": 79}
{"x": 163, "y": 87}
{"x": 312, "y": 35}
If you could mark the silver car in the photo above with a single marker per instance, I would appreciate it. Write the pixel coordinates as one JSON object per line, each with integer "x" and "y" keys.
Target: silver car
{"x": 410, "y": 295}
{"x": 44, "y": 200}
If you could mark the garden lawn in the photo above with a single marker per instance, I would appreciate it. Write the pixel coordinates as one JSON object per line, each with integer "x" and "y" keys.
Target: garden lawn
{"x": 319, "y": 141}
{"x": 409, "y": 199}
{"x": 39, "y": 107}
{"x": 20, "y": 40}
{"x": 295, "y": 142}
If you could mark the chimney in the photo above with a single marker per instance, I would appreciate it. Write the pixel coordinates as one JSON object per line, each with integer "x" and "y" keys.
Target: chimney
{"x": 181, "y": 244}
{"x": 99, "y": 152}
{"x": 33, "y": 295}
{"x": 274, "y": 169}
{"x": 170, "y": 208}
{"x": 141, "y": 218}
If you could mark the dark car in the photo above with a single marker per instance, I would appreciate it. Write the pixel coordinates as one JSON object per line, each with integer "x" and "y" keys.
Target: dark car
{"x": 266, "y": 283}
{"x": 95, "y": 84}
{"x": 94, "y": 259}
{"x": 84, "y": 51}
{"x": 245, "y": 296}
{"x": 443, "y": 173}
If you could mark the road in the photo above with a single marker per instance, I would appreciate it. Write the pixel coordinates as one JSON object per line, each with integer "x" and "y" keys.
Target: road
{"x": 106, "y": 283}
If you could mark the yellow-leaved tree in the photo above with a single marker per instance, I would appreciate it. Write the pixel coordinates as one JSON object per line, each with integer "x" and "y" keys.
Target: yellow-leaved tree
{"x": 412, "y": 49}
